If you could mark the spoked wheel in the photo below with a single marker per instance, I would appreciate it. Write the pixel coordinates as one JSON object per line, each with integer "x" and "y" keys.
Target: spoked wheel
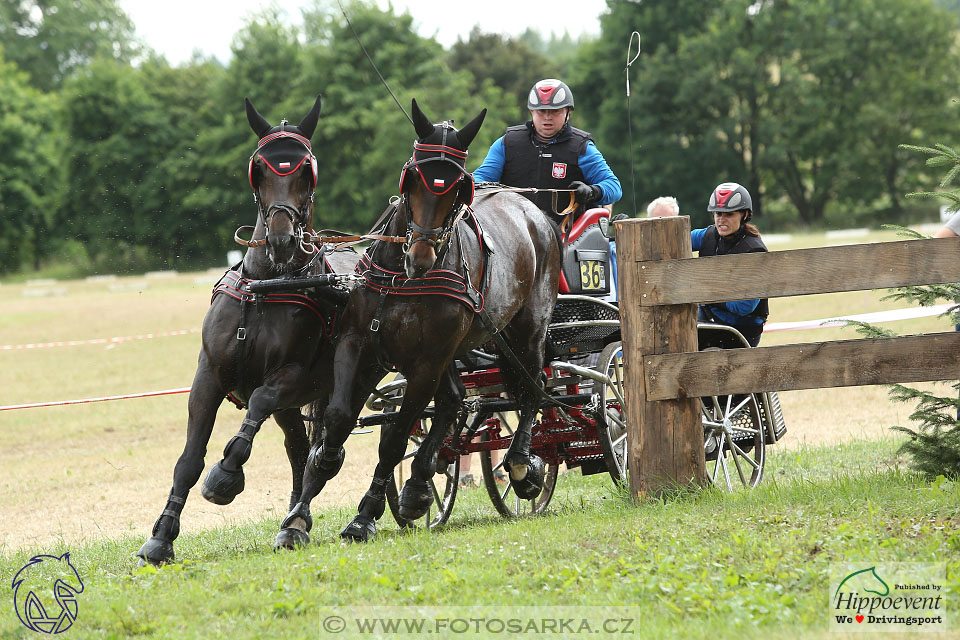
{"x": 612, "y": 430}
{"x": 443, "y": 485}
{"x": 497, "y": 481}
{"x": 733, "y": 440}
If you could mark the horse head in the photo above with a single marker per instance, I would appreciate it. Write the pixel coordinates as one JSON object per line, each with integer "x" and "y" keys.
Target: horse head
{"x": 283, "y": 175}
{"x": 434, "y": 186}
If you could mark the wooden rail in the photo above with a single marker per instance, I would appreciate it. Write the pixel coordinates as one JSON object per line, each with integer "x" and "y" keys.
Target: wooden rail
{"x": 660, "y": 284}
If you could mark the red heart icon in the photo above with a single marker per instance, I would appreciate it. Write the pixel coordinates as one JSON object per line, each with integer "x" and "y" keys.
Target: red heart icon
{"x": 859, "y": 618}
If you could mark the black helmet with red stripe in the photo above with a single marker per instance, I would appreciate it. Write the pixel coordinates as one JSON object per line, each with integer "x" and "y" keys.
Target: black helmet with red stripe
{"x": 550, "y": 94}
{"x": 730, "y": 196}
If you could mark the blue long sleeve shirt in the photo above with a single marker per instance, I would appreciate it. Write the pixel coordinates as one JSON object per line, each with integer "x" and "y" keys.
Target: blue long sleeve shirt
{"x": 731, "y": 313}
{"x": 595, "y": 170}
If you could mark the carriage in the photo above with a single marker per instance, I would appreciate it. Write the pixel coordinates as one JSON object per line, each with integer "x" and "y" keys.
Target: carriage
{"x": 582, "y": 424}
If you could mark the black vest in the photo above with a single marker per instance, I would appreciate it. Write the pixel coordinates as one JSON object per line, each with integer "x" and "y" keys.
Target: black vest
{"x": 531, "y": 163}
{"x": 710, "y": 245}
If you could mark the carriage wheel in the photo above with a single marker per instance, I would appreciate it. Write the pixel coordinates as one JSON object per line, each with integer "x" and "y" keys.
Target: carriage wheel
{"x": 501, "y": 493}
{"x": 612, "y": 429}
{"x": 733, "y": 440}
{"x": 443, "y": 484}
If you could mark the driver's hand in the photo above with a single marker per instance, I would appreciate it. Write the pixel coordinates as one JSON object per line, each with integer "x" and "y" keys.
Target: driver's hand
{"x": 584, "y": 193}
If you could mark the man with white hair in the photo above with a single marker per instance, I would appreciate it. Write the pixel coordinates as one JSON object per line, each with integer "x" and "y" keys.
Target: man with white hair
{"x": 662, "y": 207}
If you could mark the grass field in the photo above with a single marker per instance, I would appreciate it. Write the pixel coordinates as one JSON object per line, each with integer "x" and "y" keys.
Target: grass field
{"x": 753, "y": 563}
{"x": 92, "y": 478}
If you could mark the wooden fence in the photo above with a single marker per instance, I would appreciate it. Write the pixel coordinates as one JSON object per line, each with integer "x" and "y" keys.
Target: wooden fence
{"x": 660, "y": 285}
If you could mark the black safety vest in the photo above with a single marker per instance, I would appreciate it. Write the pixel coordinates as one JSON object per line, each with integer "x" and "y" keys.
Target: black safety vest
{"x": 710, "y": 246}
{"x": 531, "y": 163}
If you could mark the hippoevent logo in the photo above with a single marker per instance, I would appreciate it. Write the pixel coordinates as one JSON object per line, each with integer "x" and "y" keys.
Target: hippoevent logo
{"x": 45, "y": 593}
{"x": 895, "y": 596}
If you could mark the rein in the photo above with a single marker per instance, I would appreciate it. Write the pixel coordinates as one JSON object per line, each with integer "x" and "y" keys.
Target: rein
{"x": 555, "y": 193}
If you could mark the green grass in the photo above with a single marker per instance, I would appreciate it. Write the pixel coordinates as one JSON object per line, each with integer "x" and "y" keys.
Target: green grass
{"x": 754, "y": 563}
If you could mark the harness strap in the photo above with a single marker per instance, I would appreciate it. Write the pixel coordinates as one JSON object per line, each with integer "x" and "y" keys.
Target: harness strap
{"x": 375, "y": 330}
{"x": 247, "y": 243}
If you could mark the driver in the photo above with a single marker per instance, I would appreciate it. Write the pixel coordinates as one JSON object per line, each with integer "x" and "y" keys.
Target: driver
{"x": 731, "y": 232}
{"x": 548, "y": 153}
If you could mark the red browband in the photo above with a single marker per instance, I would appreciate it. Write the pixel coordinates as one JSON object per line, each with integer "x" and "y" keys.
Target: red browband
{"x": 283, "y": 134}
{"x": 439, "y": 148}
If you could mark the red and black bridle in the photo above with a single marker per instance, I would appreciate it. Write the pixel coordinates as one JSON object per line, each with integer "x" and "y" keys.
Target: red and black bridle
{"x": 439, "y": 153}
{"x": 299, "y": 216}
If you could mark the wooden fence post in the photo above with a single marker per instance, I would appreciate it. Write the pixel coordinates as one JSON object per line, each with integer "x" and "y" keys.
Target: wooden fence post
{"x": 665, "y": 438}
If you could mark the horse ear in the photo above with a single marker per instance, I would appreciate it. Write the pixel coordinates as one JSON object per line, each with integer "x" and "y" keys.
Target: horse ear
{"x": 257, "y": 122}
{"x": 309, "y": 123}
{"x": 420, "y": 121}
{"x": 470, "y": 130}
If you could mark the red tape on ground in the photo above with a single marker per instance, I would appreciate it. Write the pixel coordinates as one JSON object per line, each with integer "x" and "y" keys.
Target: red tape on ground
{"x": 59, "y": 403}
{"x": 114, "y": 340}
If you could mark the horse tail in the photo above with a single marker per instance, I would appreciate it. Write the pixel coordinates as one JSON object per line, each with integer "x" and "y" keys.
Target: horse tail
{"x": 314, "y": 420}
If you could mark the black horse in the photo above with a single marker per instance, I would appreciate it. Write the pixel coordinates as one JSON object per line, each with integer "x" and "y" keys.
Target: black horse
{"x": 461, "y": 276}
{"x": 270, "y": 352}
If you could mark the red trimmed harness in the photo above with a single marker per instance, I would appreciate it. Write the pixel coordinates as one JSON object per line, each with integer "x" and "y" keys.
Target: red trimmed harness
{"x": 236, "y": 287}
{"x": 436, "y": 282}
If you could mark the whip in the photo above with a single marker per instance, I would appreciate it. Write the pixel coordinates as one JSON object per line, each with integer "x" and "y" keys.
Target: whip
{"x": 362, "y": 48}
{"x": 626, "y": 69}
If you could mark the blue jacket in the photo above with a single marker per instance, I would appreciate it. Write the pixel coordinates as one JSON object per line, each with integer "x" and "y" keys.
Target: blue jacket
{"x": 731, "y": 313}
{"x": 593, "y": 165}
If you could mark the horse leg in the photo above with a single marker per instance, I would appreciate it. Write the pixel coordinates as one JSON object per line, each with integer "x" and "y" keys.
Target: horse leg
{"x": 393, "y": 443}
{"x": 206, "y": 395}
{"x": 225, "y": 479}
{"x": 417, "y": 493}
{"x": 526, "y": 469}
{"x": 326, "y": 457}
{"x": 297, "y": 446}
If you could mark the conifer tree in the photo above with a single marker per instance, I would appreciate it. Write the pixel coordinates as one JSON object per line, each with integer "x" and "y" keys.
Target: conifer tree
{"x": 934, "y": 445}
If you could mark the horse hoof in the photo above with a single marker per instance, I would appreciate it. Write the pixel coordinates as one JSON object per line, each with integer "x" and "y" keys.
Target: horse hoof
{"x": 221, "y": 486}
{"x": 360, "y": 530}
{"x": 291, "y": 538}
{"x": 415, "y": 499}
{"x": 156, "y": 552}
{"x": 530, "y": 484}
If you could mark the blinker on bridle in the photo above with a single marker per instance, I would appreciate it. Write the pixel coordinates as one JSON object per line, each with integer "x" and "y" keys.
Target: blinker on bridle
{"x": 298, "y": 215}
{"x": 436, "y": 236}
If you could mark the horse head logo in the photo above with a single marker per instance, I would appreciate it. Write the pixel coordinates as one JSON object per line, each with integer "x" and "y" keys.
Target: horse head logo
{"x": 31, "y": 586}
{"x": 868, "y": 581}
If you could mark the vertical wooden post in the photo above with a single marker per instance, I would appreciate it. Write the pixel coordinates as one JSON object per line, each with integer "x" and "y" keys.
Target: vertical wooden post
{"x": 665, "y": 438}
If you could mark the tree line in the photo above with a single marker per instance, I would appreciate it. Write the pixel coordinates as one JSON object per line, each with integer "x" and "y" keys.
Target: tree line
{"x": 116, "y": 160}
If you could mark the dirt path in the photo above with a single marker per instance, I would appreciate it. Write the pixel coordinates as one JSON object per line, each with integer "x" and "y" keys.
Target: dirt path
{"x": 109, "y": 484}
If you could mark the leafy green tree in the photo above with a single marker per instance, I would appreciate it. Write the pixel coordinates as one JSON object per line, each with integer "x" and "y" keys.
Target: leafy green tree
{"x": 934, "y": 445}
{"x": 267, "y": 66}
{"x": 671, "y": 153}
{"x": 560, "y": 51}
{"x": 135, "y": 150}
{"x": 192, "y": 227}
{"x": 508, "y": 63}
{"x": 792, "y": 98}
{"x": 848, "y": 90}
{"x": 49, "y": 39}
{"x": 953, "y": 6}
{"x": 363, "y": 138}
{"x": 31, "y": 174}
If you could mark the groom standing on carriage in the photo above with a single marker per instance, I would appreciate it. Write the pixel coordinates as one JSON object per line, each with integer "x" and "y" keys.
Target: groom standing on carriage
{"x": 548, "y": 153}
